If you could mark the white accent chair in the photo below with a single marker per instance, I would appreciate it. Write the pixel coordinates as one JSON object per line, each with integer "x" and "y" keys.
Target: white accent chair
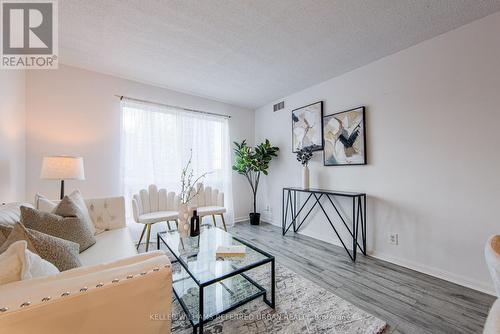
{"x": 492, "y": 256}
{"x": 209, "y": 202}
{"x": 154, "y": 206}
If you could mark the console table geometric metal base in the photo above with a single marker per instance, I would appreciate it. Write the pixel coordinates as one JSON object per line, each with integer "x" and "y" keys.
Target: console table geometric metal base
{"x": 358, "y": 214}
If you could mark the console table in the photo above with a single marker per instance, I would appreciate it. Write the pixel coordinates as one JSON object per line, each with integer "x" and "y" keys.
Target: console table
{"x": 358, "y": 218}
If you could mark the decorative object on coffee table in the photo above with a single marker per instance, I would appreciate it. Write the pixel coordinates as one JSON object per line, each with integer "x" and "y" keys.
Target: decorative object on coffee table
{"x": 345, "y": 138}
{"x": 188, "y": 193}
{"x": 62, "y": 168}
{"x": 194, "y": 231}
{"x": 304, "y": 155}
{"x": 307, "y": 127}
{"x": 251, "y": 162}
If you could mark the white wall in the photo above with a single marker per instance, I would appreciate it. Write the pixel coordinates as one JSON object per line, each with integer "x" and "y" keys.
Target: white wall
{"x": 433, "y": 117}
{"x": 74, "y": 111}
{"x": 12, "y": 136}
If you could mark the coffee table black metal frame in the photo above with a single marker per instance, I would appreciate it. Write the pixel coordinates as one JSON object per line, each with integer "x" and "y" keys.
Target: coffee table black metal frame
{"x": 198, "y": 323}
{"x": 358, "y": 214}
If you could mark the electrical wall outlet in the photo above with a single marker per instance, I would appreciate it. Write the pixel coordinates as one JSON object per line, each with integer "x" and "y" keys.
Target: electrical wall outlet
{"x": 268, "y": 208}
{"x": 393, "y": 238}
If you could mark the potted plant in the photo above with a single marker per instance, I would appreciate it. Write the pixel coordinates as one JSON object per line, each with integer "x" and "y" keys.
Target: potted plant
{"x": 251, "y": 162}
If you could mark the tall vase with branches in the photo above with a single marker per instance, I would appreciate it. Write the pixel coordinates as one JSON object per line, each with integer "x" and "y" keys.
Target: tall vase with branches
{"x": 188, "y": 193}
{"x": 251, "y": 162}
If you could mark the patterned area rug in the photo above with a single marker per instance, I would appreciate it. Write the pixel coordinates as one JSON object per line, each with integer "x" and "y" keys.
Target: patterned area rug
{"x": 301, "y": 307}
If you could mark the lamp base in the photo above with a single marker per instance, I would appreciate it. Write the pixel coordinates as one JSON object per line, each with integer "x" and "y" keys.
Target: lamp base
{"x": 62, "y": 189}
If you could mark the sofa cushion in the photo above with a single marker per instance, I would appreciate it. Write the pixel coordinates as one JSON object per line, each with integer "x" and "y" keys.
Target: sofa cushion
{"x": 158, "y": 216}
{"x": 71, "y": 228}
{"x": 110, "y": 246}
{"x": 61, "y": 253}
{"x": 210, "y": 210}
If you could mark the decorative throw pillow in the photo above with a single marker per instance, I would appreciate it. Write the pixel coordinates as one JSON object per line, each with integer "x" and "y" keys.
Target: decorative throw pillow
{"x": 69, "y": 228}
{"x": 18, "y": 263}
{"x": 12, "y": 263}
{"x": 4, "y": 232}
{"x": 69, "y": 206}
{"x": 61, "y": 253}
{"x": 46, "y": 205}
{"x": 2, "y": 238}
{"x": 77, "y": 197}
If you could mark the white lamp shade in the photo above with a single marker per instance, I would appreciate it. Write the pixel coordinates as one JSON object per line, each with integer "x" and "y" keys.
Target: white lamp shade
{"x": 62, "y": 168}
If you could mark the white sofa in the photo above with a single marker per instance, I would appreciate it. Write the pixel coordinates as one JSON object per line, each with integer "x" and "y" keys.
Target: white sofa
{"x": 115, "y": 291}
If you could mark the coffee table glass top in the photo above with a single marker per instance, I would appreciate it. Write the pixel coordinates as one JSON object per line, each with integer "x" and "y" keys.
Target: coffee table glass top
{"x": 197, "y": 254}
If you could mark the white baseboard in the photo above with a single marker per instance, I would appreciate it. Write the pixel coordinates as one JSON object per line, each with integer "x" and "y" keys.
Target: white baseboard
{"x": 240, "y": 219}
{"x": 432, "y": 271}
{"x": 436, "y": 272}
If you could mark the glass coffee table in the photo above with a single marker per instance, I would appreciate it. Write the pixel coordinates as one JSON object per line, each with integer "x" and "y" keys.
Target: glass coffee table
{"x": 207, "y": 286}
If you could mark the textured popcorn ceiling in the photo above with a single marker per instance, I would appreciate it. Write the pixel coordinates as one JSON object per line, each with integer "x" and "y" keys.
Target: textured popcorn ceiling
{"x": 248, "y": 52}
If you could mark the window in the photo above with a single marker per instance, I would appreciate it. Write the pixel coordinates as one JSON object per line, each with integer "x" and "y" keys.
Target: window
{"x": 156, "y": 145}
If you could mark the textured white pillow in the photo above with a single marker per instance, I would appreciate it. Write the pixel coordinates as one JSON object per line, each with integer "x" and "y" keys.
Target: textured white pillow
{"x": 18, "y": 263}
{"x": 35, "y": 266}
{"x": 44, "y": 204}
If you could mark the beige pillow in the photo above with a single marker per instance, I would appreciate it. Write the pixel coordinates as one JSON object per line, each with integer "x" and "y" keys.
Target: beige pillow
{"x": 18, "y": 263}
{"x": 46, "y": 205}
{"x": 69, "y": 206}
{"x": 2, "y": 238}
{"x": 61, "y": 253}
{"x": 70, "y": 228}
{"x": 5, "y": 230}
{"x": 11, "y": 263}
{"x": 77, "y": 197}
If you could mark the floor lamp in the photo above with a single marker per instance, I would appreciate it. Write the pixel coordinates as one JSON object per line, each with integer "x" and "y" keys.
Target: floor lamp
{"x": 62, "y": 168}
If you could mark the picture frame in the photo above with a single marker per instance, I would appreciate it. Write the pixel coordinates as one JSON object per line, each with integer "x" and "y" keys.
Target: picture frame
{"x": 344, "y": 138}
{"x": 307, "y": 127}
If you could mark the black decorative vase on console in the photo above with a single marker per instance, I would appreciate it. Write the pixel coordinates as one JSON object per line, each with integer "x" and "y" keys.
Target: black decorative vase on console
{"x": 255, "y": 218}
{"x": 194, "y": 231}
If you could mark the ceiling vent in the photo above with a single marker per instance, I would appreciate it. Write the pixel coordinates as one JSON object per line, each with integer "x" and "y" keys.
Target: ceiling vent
{"x": 279, "y": 106}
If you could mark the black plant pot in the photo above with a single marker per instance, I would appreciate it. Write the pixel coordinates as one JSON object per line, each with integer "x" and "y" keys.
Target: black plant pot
{"x": 254, "y": 218}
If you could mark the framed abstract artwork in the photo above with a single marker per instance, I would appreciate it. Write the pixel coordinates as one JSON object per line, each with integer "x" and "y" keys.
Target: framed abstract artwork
{"x": 345, "y": 138}
{"x": 307, "y": 127}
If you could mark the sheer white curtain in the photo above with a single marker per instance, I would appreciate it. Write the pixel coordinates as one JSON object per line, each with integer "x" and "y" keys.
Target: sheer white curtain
{"x": 155, "y": 146}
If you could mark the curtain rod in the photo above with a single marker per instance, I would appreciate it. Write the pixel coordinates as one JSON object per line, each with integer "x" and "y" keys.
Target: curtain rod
{"x": 121, "y": 97}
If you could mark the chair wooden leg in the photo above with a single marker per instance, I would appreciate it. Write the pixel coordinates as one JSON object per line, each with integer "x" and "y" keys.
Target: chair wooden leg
{"x": 147, "y": 239}
{"x": 223, "y": 221}
{"x": 213, "y": 218}
{"x": 142, "y": 234}
{"x": 168, "y": 224}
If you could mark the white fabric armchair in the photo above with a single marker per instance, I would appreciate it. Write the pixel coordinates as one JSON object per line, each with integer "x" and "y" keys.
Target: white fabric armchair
{"x": 209, "y": 202}
{"x": 492, "y": 256}
{"x": 153, "y": 206}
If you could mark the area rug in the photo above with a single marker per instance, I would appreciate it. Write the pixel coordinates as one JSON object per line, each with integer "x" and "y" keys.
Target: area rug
{"x": 301, "y": 307}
